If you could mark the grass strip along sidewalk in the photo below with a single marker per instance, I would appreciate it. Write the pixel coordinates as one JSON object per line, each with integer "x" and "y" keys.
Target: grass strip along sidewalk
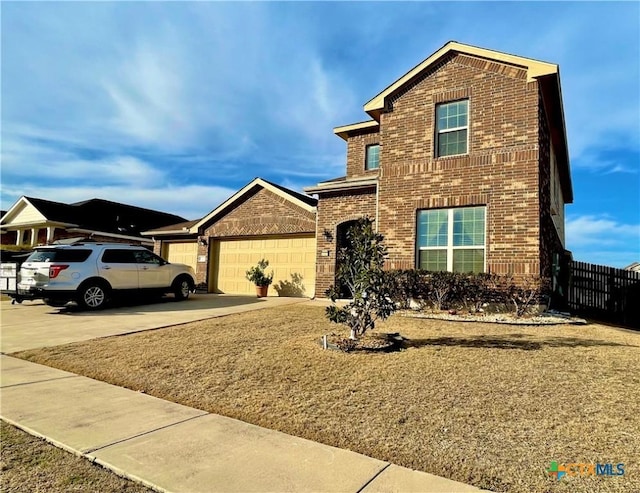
{"x": 29, "y": 464}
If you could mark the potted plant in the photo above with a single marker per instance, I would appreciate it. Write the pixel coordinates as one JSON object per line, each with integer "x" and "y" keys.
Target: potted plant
{"x": 258, "y": 277}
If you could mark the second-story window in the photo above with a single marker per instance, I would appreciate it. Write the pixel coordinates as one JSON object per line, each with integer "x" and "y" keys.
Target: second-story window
{"x": 452, "y": 128}
{"x": 372, "y": 159}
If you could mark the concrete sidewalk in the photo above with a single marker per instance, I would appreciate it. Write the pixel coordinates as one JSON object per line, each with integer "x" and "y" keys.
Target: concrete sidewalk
{"x": 171, "y": 447}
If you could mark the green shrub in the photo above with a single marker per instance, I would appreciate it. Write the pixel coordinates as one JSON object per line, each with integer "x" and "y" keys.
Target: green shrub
{"x": 471, "y": 292}
{"x": 257, "y": 274}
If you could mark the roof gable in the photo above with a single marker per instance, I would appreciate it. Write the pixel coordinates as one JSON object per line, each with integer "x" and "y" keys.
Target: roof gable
{"x": 302, "y": 201}
{"x": 546, "y": 74}
{"x": 30, "y": 210}
{"x": 535, "y": 69}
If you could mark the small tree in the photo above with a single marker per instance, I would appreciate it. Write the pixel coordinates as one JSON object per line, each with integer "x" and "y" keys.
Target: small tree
{"x": 360, "y": 269}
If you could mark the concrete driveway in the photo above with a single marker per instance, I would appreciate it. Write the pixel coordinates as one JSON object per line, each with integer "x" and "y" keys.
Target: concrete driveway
{"x": 34, "y": 324}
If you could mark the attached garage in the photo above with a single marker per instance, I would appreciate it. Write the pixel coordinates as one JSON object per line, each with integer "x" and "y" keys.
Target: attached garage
{"x": 261, "y": 220}
{"x": 292, "y": 259}
{"x": 181, "y": 253}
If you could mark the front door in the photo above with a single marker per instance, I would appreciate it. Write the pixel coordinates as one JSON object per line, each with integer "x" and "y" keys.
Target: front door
{"x": 342, "y": 245}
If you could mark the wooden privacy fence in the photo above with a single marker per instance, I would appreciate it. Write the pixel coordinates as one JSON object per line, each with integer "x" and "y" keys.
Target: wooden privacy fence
{"x": 605, "y": 293}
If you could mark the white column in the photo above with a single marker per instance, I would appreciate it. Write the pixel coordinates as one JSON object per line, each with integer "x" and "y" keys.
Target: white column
{"x": 34, "y": 236}
{"x": 50, "y": 234}
{"x": 18, "y": 237}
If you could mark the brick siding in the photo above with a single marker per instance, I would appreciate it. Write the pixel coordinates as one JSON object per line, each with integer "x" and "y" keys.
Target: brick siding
{"x": 504, "y": 169}
{"x": 356, "y": 154}
{"x": 264, "y": 213}
{"x": 333, "y": 210}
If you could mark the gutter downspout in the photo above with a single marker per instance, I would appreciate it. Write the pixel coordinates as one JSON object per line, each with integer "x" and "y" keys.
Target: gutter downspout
{"x": 377, "y": 205}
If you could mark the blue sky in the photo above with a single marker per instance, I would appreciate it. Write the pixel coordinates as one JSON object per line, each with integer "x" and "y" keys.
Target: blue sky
{"x": 174, "y": 106}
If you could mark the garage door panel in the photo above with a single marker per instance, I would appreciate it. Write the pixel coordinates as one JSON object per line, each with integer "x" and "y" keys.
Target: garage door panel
{"x": 286, "y": 256}
{"x": 182, "y": 253}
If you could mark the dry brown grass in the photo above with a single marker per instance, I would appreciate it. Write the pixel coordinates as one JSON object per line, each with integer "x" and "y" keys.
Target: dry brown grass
{"x": 485, "y": 404}
{"x": 29, "y": 465}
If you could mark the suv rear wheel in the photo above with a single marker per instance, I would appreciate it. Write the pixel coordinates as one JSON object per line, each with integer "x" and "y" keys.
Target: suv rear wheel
{"x": 93, "y": 295}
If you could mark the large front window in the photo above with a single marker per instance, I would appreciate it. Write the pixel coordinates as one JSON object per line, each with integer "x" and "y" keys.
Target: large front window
{"x": 452, "y": 122}
{"x": 451, "y": 239}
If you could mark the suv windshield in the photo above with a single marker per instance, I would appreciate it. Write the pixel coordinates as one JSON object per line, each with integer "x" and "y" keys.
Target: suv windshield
{"x": 59, "y": 256}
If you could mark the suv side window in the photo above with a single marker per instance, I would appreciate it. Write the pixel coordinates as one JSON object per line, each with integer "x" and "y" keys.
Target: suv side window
{"x": 118, "y": 256}
{"x": 59, "y": 255}
{"x": 146, "y": 257}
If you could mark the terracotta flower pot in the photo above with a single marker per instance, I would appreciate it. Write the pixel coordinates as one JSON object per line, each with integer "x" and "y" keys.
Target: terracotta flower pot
{"x": 262, "y": 291}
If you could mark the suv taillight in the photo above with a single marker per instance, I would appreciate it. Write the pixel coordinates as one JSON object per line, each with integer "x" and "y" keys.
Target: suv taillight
{"x": 54, "y": 270}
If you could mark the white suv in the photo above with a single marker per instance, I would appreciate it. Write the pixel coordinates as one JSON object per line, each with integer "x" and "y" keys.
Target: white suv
{"x": 90, "y": 273}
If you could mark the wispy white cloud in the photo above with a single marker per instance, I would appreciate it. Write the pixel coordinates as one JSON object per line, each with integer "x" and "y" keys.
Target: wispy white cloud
{"x": 47, "y": 163}
{"x": 597, "y": 238}
{"x": 599, "y": 230}
{"x": 601, "y": 239}
{"x": 602, "y": 162}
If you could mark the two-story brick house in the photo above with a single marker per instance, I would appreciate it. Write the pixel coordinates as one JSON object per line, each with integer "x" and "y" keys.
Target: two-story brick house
{"x": 463, "y": 165}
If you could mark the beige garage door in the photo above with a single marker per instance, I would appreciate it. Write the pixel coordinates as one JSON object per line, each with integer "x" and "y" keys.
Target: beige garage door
{"x": 292, "y": 259}
{"x": 182, "y": 253}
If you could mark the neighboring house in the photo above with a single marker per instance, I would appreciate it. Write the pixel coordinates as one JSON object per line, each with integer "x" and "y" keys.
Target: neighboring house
{"x": 463, "y": 165}
{"x": 32, "y": 221}
{"x": 261, "y": 220}
{"x": 634, "y": 267}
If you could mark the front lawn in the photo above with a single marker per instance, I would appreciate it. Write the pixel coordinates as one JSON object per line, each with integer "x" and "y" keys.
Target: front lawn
{"x": 487, "y": 404}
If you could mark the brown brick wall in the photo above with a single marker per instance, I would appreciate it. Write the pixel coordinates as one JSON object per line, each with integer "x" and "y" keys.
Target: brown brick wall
{"x": 334, "y": 209}
{"x": 264, "y": 213}
{"x": 202, "y": 268}
{"x": 356, "y": 154}
{"x": 501, "y": 170}
{"x": 8, "y": 237}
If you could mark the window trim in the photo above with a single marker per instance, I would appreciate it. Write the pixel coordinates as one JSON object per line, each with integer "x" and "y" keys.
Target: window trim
{"x": 450, "y": 247}
{"x": 366, "y": 157}
{"x": 449, "y": 130}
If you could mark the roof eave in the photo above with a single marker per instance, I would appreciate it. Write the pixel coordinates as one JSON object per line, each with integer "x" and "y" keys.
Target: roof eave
{"x": 552, "y": 100}
{"x": 342, "y": 186}
{"x": 345, "y": 131}
{"x": 185, "y": 231}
